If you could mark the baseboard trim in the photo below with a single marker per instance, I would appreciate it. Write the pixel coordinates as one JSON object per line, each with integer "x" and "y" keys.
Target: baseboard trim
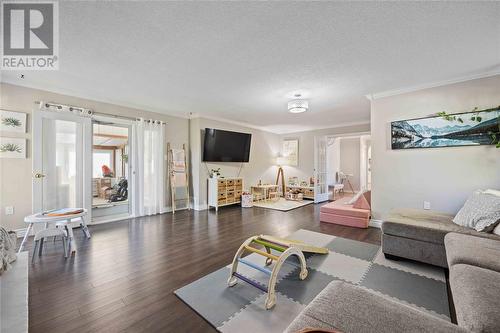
{"x": 103, "y": 219}
{"x": 200, "y": 207}
{"x": 375, "y": 223}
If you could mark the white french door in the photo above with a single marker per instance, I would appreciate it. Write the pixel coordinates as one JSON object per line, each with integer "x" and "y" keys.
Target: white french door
{"x": 320, "y": 169}
{"x": 61, "y": 161}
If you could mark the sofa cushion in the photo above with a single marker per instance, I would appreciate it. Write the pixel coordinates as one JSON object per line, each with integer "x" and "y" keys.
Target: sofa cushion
{"x": 349, "y": 308}
{"x": 430, "y": 253}
{"x": 476, "y": 295}
{"x": 496, "y": 231}
{"x": 425, "y": 225}
{"x": 476, "y": 251}
{"x": 481, "y": 211}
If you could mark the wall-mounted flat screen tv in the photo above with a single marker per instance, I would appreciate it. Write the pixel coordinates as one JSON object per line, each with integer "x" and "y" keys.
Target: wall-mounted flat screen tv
{"x": 226, "y": 146}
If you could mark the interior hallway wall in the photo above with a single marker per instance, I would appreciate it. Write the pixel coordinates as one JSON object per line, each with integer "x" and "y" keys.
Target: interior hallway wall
{"x": 350, "y": 161}
{"x": 332, "y": 160}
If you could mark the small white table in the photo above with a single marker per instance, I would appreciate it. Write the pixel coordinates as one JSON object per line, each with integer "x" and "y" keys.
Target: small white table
{"x": 59, "y": 220}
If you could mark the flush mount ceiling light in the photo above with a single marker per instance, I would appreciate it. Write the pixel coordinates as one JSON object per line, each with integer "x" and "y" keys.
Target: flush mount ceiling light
{"x": 298, "y": 105}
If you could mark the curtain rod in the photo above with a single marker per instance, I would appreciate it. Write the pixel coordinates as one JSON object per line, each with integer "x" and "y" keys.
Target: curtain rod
{"x": 90, "y": 112}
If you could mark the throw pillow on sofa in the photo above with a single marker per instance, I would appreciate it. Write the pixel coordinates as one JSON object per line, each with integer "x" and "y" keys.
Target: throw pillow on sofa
{"x": 496, "y": 231}
{"x": 480, "y": 212}
{"x": 492, "y": 192}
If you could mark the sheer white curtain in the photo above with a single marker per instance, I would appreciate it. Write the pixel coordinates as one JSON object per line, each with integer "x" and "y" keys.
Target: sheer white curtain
{"x": 149, "y": 167}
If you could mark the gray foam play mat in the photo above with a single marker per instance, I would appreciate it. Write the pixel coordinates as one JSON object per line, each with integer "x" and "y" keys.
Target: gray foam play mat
{"x": 242, "y": 308}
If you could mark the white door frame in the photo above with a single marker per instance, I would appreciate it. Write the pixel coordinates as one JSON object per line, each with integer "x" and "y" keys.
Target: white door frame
{"x": 131, "y": 171}
{"x": 320, "y": 171}
{"x": 363, "y": 161}
{"x": 84, "y": 192}
{"x": 336, "y": 137}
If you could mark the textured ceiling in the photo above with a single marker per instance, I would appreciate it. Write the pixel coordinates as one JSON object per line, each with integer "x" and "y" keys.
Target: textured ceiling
{"x": 242, "y": 61}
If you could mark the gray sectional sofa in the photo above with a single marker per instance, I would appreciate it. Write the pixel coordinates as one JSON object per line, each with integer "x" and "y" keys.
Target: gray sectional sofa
{"x": 419, "y": 235}
{"x": 474, "y": 267}
{"x": 351, "y": 309}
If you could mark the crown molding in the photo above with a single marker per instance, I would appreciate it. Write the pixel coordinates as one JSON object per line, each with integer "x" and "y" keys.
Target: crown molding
{"x": 260, "y": 128}
{"x": 395, "y": 92}
{"x": 187, "y": 116}
{"x": 318, "y": 128}
{"x": 228, "y": 121}
{"x": 68, "y": 93}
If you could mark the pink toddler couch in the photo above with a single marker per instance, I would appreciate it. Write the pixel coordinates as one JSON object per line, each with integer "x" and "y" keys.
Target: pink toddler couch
{"x": 353, "y": 215}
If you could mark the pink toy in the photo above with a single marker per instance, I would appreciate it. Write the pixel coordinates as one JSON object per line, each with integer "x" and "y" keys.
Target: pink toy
{"x": 352, "y": 215}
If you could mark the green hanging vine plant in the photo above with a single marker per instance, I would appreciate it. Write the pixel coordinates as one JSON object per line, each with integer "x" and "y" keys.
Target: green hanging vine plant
{"x": 495, "y": 139}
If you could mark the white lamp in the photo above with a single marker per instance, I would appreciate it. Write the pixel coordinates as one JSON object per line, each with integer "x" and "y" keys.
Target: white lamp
{"x": 298, "y": 106}
{"x": 280, "y": 161}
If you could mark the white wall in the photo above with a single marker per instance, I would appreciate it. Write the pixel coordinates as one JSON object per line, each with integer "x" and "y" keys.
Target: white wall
{"x": 332, "y": 160}
{"x": 365, "y": 143}
{"x": 16, "y": 174}
{"x": 349, "y": 161}
{"x": 443, "y": 176}
{"x": 264, "y": 150}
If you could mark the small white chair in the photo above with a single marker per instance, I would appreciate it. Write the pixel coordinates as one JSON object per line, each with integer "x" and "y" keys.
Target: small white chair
{"x": 338, "y": 188}
{"x": 45, "y": 233}
{"x": 345, "y": 178}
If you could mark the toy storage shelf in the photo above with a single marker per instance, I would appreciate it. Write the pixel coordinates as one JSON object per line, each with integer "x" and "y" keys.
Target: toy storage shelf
{"x": 224, "y": 192}
{"x": 307, "y": 191}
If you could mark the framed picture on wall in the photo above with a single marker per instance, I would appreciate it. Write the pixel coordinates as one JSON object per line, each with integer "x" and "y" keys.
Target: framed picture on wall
{"x": 12, "y": 148}
{"x": 11, "y": 121}
{"x": 290, "y": 151}
{"x": 448, "y": 130}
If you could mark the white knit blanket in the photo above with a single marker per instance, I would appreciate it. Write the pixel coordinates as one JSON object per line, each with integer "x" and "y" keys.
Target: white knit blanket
{"x": 7, "y": 249}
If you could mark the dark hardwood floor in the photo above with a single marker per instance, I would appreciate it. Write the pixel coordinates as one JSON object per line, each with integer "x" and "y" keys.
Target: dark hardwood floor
{"x": 123, "y": 278}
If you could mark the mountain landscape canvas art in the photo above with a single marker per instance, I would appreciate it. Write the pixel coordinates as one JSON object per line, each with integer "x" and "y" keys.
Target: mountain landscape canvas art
{"x": 462, "y": 129}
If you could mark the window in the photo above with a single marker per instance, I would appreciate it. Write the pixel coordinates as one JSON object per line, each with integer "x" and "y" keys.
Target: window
{"x": 100, "y": 158}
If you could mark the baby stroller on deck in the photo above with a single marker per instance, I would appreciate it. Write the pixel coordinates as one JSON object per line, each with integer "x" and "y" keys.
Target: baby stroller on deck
{"x": 121, "y": 191}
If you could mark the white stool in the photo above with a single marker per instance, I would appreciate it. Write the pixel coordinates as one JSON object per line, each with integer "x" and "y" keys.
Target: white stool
{"x": 52, "y": 232}
{"x": 65, "y": 221}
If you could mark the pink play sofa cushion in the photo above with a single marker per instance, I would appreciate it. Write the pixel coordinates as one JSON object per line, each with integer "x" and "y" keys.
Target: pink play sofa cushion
{"x": 353, "y": 215}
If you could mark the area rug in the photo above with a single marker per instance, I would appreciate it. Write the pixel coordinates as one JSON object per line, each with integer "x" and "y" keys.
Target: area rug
{"x": 241, "y": 308}
{"x": 282, "y": 204}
